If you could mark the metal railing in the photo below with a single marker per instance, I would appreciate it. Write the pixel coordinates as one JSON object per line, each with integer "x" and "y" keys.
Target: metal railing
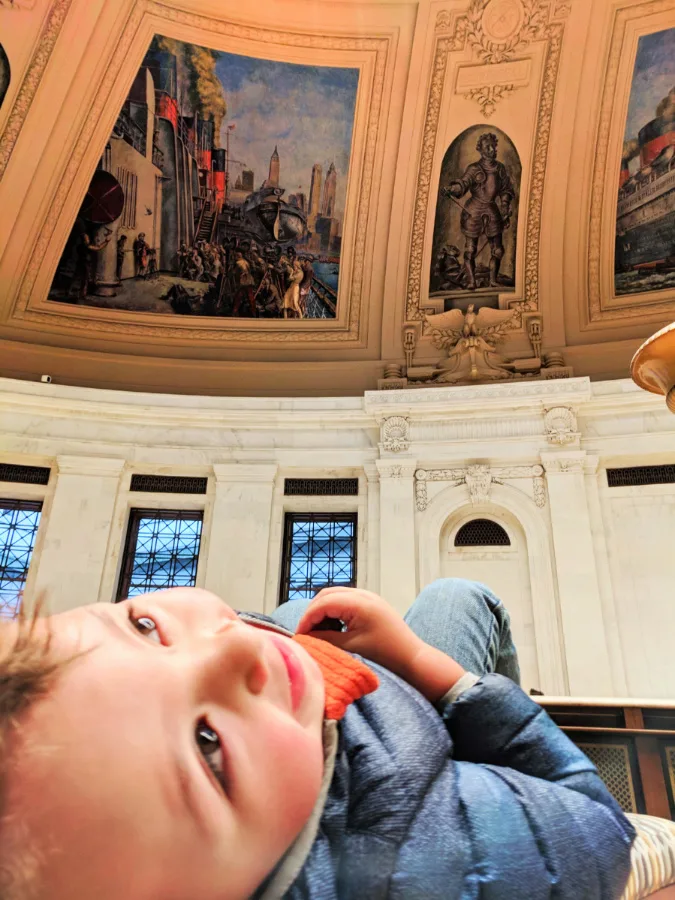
{"x": 133, "y": 134}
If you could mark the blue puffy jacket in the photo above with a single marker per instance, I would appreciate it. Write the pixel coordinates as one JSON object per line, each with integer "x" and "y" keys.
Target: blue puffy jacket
{"x": 481, "y": 796}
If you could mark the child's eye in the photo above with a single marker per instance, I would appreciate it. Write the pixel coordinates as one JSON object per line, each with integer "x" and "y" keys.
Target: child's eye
{"x": 146, "y": 626}
{"x": 210, "y": 748}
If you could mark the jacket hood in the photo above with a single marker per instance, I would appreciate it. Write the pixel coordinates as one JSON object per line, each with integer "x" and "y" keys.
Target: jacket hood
{"x": 286, "y": 870}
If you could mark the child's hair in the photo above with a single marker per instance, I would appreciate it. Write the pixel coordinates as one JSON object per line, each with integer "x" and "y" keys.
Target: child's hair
{"x": 28, "y": 668}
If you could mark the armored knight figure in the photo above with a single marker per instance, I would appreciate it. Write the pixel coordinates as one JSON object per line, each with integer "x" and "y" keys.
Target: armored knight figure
{"x": 488, "y": 210}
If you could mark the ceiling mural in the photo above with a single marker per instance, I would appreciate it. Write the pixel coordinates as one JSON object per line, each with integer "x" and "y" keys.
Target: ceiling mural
{"x": 645, "y": 216}
{"x": 213, "y": 197}
{"x": 269, "y": 200}
{"x": 474, "y": 243}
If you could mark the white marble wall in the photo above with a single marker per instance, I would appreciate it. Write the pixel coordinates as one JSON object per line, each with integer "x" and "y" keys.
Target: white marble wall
{"x": 590, "y": 572}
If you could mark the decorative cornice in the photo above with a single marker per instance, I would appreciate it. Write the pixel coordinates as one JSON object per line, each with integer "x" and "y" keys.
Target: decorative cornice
{"x": 577, "y": 389}
{"x": 24, "y": 98}
{"x": 351, "y": 294}
{"x": 543, "y": 21}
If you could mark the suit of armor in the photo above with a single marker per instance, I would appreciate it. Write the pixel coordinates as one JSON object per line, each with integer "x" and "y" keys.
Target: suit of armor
{"x": 487, "y": 211}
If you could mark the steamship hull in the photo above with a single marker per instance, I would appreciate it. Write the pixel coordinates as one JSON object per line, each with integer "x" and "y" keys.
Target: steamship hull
{"x": 645, "y": 226}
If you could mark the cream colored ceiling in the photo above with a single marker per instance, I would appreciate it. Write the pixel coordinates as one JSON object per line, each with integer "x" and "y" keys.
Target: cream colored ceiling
{"x": 557, "y": 84}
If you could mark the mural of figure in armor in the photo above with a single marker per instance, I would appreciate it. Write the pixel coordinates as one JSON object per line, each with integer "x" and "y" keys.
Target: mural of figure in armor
{"x": 477, "y": 211}
{"x": 488, "y": 210}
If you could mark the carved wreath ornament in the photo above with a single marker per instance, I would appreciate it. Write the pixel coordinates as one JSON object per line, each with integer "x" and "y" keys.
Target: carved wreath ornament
{"x": 498, "y": 29}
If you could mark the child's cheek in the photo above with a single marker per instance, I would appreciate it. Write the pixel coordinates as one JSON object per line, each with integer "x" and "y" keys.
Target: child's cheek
{"x": 294, "y": 771}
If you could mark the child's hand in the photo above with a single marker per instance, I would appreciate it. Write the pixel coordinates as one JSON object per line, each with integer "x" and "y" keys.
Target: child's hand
{"x": 374, "y": 628}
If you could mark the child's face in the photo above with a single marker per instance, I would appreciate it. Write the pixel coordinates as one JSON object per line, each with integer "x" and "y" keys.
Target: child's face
{"x": 112, "y": 766}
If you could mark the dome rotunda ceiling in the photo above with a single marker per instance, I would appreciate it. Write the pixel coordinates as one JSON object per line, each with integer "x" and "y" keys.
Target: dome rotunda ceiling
{"x": 310, "y": 198}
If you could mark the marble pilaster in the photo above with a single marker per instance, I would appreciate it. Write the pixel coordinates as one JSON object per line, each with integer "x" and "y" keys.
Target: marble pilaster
{"x": 236, "y": 567}
{"x": 586, "y": 650}
{"x": 78, "y": 523}
{"x": 398, "y": 578}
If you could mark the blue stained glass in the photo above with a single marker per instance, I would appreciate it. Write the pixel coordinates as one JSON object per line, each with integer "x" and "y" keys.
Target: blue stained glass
{"x": 18, "y": 527}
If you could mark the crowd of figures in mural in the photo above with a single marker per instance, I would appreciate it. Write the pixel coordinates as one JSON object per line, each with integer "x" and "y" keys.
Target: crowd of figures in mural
{"x": 173, "y": 222}
{"x": 474, "y": 243}
{"x": 645, "y": 216}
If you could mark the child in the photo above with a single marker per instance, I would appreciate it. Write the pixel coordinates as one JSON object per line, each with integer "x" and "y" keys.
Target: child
{"x": 183, "y": 752}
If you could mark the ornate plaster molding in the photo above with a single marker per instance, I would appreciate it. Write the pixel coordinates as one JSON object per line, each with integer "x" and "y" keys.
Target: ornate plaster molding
{"x": 50, "y": 32}
{"x": 395, "y": 433}
{"x": 488, "y": 96}
{"x": 600, "y": 181}
{"x": 560, "y": 426}
{"x": 352, "y": 293}
{"x": 542, "y": 20}
{"x": 479, "y": 479}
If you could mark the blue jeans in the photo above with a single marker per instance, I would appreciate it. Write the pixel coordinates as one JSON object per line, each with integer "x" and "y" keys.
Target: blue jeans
{"x": 462, "y": 618}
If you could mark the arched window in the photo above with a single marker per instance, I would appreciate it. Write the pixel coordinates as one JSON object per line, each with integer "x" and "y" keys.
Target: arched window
{"x": 482, "y": 533}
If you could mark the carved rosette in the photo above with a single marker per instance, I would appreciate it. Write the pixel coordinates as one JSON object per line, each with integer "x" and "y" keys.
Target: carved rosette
{"x": 395, "y": 434}
{"x": 560, "y": 424}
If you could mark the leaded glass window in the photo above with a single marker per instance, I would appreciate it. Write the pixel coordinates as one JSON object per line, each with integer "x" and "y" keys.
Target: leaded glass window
{"x": 19, "y": 520}
{"x": 319, "y": 551}
{"x": 162, "y": 551}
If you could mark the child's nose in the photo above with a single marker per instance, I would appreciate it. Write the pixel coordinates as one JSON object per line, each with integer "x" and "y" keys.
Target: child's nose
{"x": 235, "y": 660}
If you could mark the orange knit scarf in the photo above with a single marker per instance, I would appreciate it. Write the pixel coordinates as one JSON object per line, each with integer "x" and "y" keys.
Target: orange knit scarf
{"x": 345, "y": 677}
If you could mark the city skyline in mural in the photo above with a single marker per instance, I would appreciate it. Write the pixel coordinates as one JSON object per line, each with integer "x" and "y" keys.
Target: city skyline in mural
{"x": 644, "y": 257}
{"x": 221, "y": 191}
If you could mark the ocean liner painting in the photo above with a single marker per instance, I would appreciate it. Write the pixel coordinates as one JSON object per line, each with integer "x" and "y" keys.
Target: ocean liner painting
{"x": 645, "y": 217}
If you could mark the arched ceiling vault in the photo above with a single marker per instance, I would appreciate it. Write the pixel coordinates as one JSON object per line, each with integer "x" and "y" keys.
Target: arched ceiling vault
{"x": 303, "y": 198}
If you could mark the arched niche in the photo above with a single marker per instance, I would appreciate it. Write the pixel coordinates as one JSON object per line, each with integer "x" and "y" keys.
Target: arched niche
{"x": 504, "y": 569}
{"x": 513, "y": 510}
{"x": 4, "y": 74}
{"x": 476, "y": 220}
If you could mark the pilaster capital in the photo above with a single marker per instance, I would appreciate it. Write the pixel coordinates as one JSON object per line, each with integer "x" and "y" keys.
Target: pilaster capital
{"x": 101, "y": 466}
{"x": 227, "y": 473}
{"x": 371, "y": 472}
{"x": 396, "y": 469}
{"x": 570, "y": 462}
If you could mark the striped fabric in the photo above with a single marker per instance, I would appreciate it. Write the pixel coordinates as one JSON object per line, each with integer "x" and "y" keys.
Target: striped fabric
{"x": 652, "y": 857}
